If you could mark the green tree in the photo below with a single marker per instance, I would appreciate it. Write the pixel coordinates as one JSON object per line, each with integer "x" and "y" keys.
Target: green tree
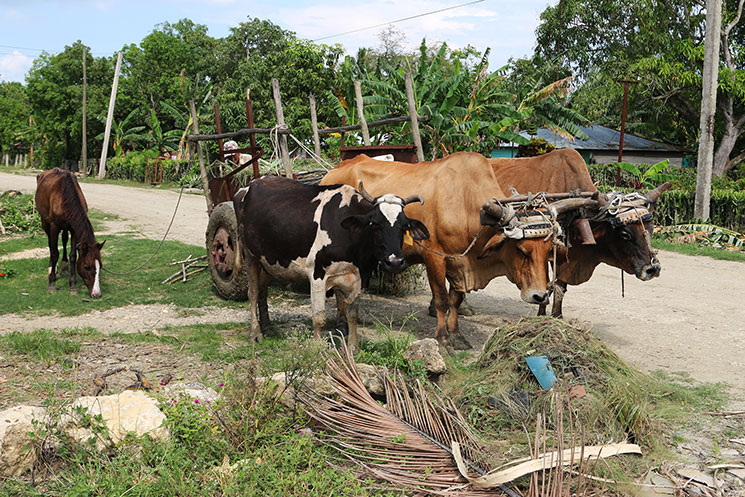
{"x": 661, "y": 45}
{"x": 55, "y": 93}
{"x": 257, "y": 51}
{"x": 14, "y": 114}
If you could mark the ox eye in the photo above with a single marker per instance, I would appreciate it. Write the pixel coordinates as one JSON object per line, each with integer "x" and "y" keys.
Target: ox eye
{"x": 625, "y": 235}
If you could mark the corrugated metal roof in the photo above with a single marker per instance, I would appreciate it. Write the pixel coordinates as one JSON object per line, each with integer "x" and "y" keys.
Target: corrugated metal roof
{"x": 603, "y": 138}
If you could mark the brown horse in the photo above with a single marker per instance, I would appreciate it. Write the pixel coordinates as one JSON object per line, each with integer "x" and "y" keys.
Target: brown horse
{"x": 63, "y": 208}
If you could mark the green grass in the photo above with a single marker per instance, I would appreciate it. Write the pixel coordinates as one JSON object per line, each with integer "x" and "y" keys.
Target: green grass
{"x": 26, "y": 290}
{"x": 39, "y": 344}
{"x": 699, "y": 250}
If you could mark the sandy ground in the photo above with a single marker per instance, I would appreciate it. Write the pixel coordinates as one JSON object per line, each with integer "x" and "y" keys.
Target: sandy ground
{"x": 691, "y": 319}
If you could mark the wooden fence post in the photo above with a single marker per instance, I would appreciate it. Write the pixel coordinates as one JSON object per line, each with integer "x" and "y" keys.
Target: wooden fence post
{"x": 414, "y": 119}
{"x": 314, "y": 125}
{"x": 109, "y": 117}
{"x": 363, "y": 122}
{"x": 202, "y": 168}
{"x": 284, "y": 152}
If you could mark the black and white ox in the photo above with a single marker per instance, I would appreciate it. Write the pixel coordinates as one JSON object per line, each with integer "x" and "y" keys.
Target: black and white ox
{"x": 332, "y": 236}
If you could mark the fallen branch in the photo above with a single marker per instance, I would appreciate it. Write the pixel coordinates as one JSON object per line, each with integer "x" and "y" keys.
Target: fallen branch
{"x": 182, "y": 271}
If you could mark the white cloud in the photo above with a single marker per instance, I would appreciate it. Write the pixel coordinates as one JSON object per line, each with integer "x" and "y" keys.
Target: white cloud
{"x": 14, "y": 66}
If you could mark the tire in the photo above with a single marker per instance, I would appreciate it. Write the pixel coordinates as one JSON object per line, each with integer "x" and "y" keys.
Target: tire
{"x": 224, "y": 257}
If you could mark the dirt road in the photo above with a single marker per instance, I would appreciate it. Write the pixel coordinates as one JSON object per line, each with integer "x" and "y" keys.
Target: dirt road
{"x": 690, "y": 319}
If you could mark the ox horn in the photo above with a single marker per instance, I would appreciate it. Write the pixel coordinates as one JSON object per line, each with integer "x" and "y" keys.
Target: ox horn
{"x": 502, "y": 213}
{"x": 571, "y": 204}
{"x": 413, "y": 198}
{"x": 654, "y": 195}
{"x": 365, "y": 194}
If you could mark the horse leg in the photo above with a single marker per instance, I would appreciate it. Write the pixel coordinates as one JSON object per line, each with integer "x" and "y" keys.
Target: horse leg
{"x": 73, "y": 260}
{"x": 64, "y": 266}
{"x": 52, "y": 237}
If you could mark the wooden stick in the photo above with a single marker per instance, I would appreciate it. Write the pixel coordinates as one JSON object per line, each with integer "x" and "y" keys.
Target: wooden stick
{"x": 314, "y": 126}
{"x": 284, "y": 152}
{"x": 360, "y": 113}
{"x": 414, "y": 122}
{"x": 202, "y": 167}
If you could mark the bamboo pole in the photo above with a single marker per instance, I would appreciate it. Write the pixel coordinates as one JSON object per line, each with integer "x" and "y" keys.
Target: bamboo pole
{"x": 284, "y": 152}
{"x": 314, "y": 125}
{"x": 360, "y": 113}
{"x": 414, "y": 121}
{"x": 202, "y": 168}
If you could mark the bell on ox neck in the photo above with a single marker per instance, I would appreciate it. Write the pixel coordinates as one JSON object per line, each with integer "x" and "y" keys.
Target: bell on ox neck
{"x": 585, "y": 231}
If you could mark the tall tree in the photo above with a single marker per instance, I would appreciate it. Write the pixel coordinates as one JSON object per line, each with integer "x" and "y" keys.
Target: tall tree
{"x": 54, "y": 88}
{"x": 14, "y": 114}
{"x": 661, "y": 43}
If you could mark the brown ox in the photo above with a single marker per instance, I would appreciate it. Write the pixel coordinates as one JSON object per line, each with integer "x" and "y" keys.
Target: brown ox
{"x": 624, "y": 246}
{"x": 453, "y": 189}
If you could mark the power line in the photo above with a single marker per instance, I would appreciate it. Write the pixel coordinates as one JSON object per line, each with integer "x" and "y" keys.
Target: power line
{"x": 399, "y": 20}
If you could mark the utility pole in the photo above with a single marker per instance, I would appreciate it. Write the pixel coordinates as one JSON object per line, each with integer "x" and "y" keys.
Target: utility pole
{"x": 626, "y": 84}
{"x": 84, "y": 152}
{"x": 109, "y": 118}
{"x": 708, "y": 109}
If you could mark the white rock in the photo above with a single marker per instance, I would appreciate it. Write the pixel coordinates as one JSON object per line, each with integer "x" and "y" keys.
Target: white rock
{"x": 17, "y": 454}
{"x": 192, "y": 389}
{"x": 427, "y": 351}
{"x": 131, "y": 411}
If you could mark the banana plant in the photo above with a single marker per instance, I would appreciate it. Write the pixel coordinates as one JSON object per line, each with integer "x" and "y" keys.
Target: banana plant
{"x": 123, "y": 133}
{"x": 649, "y": 178}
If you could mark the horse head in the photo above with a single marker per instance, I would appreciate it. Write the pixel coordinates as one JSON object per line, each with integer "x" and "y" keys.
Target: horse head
{"x": 89, "y": 266}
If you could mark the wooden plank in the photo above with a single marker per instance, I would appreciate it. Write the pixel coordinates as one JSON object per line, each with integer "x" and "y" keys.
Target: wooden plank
{"x": 360, "y": 112}
{"x": 284, "y": 151}
{"x": 414, "y": 122}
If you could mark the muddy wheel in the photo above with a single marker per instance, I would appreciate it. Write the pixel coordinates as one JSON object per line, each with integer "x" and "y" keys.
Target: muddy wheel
{"x": 224, "y": 253}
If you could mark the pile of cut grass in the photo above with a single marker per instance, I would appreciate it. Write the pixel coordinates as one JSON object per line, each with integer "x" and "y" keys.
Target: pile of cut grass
{"x": 621, "y": 402}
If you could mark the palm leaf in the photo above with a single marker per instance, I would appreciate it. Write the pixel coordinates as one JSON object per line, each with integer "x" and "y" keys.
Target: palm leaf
{"x": 406, "y": 442}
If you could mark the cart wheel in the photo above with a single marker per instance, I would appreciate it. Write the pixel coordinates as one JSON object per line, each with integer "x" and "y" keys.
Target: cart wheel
{"x": 224, "y": 253}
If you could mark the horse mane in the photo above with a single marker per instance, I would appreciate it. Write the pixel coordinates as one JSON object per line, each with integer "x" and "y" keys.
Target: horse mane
{"x": 76, "y": 214}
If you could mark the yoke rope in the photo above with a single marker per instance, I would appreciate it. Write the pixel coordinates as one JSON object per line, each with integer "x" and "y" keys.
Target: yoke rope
{"x": 454, "y": 257}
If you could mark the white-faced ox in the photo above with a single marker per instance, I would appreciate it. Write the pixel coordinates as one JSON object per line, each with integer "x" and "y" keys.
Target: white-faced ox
{"x": 332, "y": 236}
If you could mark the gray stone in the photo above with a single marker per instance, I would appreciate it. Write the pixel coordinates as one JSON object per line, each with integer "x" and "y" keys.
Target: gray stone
{"x": 191, "y": 389}
{"x": 372, "y": 377}
{"x": 427, "y": 351}
{"x": 17, "y": 453}
{"x": 131, "y": 411}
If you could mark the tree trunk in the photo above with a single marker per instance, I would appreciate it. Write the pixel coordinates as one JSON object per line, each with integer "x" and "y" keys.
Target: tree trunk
{"x": 721, "y": 157}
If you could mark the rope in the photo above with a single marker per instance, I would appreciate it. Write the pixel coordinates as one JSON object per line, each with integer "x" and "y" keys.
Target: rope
{"x": 454, "y": 257}
{"x": 183, "y": 184}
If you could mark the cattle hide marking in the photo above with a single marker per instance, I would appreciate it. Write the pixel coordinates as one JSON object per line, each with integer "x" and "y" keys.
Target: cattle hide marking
{"x": 391, "y": 206}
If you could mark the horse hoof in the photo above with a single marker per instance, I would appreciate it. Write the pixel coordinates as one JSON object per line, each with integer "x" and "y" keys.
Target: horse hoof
{"x": 64, "y": 268}
{"x": 73, "y": 291}
{"x": 51, "y": 289}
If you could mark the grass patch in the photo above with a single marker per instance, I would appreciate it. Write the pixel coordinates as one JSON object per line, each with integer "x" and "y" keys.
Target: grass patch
{"x": 246, "y": 444}
{"x": 621, "y": 403}
{"x": 39, "y": 344}
{"x": 389, "y": 351}
{"x": 699, "y": 250}
{"x": 26, "y": 290}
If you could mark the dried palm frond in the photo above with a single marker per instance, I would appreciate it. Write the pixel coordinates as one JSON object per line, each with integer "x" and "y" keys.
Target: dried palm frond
{"x": 406, "y": 443}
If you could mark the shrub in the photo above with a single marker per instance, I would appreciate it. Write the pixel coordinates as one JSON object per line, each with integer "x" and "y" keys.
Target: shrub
{"x": 132, "y": 167}
{"x": 18, "y": 213}
{"x": 537, "y": 146}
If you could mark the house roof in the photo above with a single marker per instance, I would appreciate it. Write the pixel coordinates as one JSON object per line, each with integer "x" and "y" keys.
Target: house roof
{"x": 603, "y": 138}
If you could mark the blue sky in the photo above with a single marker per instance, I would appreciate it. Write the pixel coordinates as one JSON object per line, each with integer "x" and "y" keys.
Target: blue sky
{"x": 29, "y": 26}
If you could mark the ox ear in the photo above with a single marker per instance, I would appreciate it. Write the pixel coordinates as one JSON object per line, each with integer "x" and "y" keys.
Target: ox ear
{"x": 493, "y": 244}
{"x": 417, "y": 230}
{"x": 353, "y": 223}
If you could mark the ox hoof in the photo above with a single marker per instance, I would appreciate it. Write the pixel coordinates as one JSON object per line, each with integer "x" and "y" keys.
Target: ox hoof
{"x": 255, "y": 338}
{"x": 466, "y": 310}
{"x": 51, "y": 289}
{"x": 458, "y": 342}
{"x": 431, "y": 310}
